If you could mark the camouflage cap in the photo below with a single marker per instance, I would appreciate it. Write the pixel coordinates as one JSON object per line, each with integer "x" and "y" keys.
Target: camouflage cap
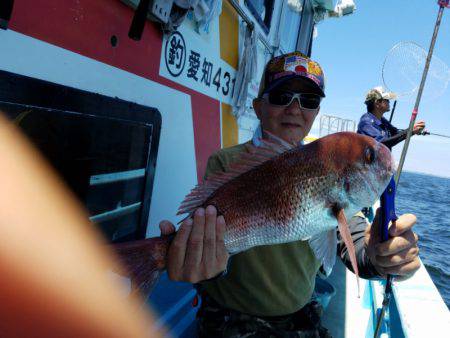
{"x": 288, "y": 66}
{"x": 379, "y": 93}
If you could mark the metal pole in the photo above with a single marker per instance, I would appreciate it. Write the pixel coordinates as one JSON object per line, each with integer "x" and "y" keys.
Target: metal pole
{"x": 419, "y": 94}
{"x": 6, "y": 8}
{"x": 139, "y": 20}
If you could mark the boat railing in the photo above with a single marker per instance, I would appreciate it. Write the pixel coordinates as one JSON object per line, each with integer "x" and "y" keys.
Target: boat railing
{"x": 111, "y": 178}
{"x": 116, "y": 177}
{"x": 329, "y": 124}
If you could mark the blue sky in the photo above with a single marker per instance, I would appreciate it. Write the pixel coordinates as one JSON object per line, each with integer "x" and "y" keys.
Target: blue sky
{"x": 352, "y": 50}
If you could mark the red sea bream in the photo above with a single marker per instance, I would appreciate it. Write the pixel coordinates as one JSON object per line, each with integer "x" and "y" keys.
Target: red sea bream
{"x": 279, "y": 193}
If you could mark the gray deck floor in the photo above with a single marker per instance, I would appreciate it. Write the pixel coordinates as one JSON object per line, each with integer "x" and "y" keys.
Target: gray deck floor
{"x": 334, "y": 316}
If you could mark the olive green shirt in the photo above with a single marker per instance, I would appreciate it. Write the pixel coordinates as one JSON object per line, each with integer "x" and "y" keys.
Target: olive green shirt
{"x": 271, "y": 280}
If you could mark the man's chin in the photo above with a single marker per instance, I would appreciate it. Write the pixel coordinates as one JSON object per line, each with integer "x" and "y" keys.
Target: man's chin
{"x": 293, "y": 138}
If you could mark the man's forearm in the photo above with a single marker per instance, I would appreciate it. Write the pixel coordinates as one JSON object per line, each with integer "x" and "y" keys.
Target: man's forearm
{"x": 357, "y": 225}
{"x": 396, "y": 139}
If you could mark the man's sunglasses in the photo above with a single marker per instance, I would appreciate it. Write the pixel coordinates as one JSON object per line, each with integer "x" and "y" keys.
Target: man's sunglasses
{"x": 384, "y": 100}
{"x": 284, "y": 99}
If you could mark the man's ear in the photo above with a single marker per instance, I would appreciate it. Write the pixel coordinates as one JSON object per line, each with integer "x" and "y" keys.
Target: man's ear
{"x": 257, "y": 103}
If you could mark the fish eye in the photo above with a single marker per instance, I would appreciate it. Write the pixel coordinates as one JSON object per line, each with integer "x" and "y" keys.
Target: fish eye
{"x": 369, "y": 155}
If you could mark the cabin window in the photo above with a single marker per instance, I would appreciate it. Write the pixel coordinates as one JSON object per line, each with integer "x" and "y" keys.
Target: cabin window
{"x": 262, "y": 11}
{"x": 289, "y": 28}
{"x": 103, "y": 148}
{"x": 305, "y": 35}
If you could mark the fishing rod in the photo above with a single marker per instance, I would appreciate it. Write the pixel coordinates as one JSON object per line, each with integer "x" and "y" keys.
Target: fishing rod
{"x": 387, "y": 215}
{"x": 434, "y": 134}
{"x": 392, "y": 112}
{"x": 424, "y": 132}
{"x": 387, "y": 199}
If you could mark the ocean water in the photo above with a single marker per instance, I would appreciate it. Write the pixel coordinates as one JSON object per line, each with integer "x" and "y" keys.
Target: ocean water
{"x": 428, "y": 197}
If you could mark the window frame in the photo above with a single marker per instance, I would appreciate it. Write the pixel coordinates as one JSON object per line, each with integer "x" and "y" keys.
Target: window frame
{"x": 267, "y": 23}
{"x": 30, "y": 92}
{"x": 305, "y": 34}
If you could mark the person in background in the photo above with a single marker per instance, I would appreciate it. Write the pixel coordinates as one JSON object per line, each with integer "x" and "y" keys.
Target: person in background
{"x": 266, "y": 291}
{"x": 373, "y": 123}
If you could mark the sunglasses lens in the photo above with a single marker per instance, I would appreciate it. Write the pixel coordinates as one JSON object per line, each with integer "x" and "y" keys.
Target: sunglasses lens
{"x": 310, "y": 101}
{"x": 280, "y": 98}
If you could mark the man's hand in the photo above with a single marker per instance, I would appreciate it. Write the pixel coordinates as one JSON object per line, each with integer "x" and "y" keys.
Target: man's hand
{"x": 397, "y": 256}
{"x": 418, "y": 127}
{"x": 198, "y": 250}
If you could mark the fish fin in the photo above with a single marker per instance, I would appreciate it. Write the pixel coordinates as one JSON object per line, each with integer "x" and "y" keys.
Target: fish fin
{"x": 347, "y": 237}
{"x": 253, "y": 157}
{"x": 324, "y": 246}
{"x": 144, "y": 261}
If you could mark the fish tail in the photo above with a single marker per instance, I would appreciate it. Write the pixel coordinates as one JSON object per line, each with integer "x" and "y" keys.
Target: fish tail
{"x": 144, "y": 261}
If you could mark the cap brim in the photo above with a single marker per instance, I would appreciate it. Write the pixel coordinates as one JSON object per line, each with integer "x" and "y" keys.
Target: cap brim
{"x": 278, "y": 82}
{"x": 389, "y": 96}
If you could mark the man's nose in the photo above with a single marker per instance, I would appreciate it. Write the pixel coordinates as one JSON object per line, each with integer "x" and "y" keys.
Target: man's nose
{"x": 294, "y": 107}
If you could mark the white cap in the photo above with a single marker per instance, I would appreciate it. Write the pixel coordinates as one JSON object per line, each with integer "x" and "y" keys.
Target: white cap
{"x": 379, "y": 93}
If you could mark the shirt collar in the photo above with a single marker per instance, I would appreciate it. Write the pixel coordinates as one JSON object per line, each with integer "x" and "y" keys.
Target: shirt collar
{"x": 257, "y": 136}
{"x": 375, "y": 119}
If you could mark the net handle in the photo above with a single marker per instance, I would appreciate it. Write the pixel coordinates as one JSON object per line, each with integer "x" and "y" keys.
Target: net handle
{"x": 419, "y": 94}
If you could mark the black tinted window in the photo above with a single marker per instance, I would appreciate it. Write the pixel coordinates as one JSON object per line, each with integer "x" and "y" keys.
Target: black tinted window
{"x": 108, "y": 162}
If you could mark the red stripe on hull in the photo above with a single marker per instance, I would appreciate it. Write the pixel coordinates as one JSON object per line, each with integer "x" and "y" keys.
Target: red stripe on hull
{"x": 206, "y": 131}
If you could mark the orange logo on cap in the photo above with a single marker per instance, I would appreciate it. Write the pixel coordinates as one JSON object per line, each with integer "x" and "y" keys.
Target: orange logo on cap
{"x": 313, "y": 68}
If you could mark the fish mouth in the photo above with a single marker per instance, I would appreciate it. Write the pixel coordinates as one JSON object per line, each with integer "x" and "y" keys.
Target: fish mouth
{"x": 387, "y": 162}
{"x": 383, "y": 170}
{"x": 370, "y": 183}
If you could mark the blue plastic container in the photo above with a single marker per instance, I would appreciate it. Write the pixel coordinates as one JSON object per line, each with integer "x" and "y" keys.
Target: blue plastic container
{"x": 323, "y": 292}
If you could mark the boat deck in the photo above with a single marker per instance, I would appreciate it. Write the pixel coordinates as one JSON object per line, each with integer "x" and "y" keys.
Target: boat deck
{"x": 415, "y": 304}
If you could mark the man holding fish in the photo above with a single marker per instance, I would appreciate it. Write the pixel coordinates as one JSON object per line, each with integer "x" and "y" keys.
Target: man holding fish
{"x": 265, "y": 221}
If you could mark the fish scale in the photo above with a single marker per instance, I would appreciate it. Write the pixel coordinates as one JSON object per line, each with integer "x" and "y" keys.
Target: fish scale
{"x": 271, "y": 221}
